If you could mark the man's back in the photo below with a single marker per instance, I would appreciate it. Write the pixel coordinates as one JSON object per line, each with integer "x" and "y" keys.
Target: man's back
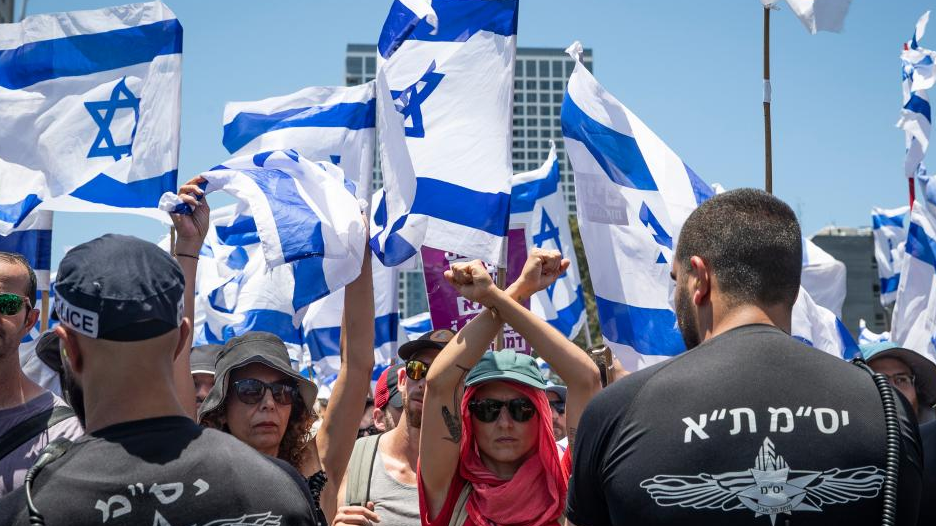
{"x": 163, "y": 471}
{"x": 749, "y": 425}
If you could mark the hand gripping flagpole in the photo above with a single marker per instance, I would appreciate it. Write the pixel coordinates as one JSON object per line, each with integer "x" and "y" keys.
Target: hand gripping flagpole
{"x": 768, "y": 154}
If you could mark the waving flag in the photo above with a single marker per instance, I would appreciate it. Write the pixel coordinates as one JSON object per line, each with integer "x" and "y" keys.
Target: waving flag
{"x": 890, "y": 234}
{"x": 823, "y": 277}
{"x": 303, "y": 211}
{"x": 417, "y": 325}
{"x": 91, "y": 107}
{"x": 820, "y": 15}
{"x": 865, "y": 335}
{"x": 916, "y": 115}
{"x": 914, "y": 319}
{"x": 819, "y": 327}
{"x": 538, "y": 205}
{"x": 33, "y": 240}
{"x": 335, "y": 124}
{"x": 444, "y": 97}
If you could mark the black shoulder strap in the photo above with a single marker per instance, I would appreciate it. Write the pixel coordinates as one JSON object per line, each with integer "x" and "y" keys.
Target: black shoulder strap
{"x": 29, "y": 428}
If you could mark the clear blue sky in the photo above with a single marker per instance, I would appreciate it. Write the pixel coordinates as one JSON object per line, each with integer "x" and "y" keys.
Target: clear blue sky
{"x": 690, "y": 69}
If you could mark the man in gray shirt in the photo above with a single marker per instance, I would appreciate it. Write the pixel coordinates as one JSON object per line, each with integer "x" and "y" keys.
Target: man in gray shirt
{"x": 21, "y": 399}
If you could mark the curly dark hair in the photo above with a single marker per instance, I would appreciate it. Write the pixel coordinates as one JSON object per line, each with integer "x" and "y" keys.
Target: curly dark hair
{"x": 296, "y": 438}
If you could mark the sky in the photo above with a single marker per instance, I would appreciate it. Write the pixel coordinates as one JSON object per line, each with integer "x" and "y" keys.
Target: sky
{"x": 690, "y": 70}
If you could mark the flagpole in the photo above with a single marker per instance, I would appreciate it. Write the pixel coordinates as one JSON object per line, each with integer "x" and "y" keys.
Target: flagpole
{"x": 44, "y": 312}
{"x": 588, "y": 336}
{"x": 768, "y": 159}
{"x": 172, "y": 235}
{"x": 912, "y": 182}
{"x": 501, "y": 283}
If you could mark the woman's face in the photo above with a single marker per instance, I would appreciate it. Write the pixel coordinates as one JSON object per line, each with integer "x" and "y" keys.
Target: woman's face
{"x": 261, "y": 425}
{"x": 503, "y": 442}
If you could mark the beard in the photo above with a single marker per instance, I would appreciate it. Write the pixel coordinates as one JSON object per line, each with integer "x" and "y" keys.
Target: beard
{"x": 413, "y": 415}
{"x": 686, "y": 318}
{"x": 72, "y": 393}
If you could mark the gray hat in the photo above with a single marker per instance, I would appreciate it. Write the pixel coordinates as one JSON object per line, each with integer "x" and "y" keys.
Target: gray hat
{"x": 119, "y": 288}
{"x": 254, "y": 347}
{"x": 204, "y": 357}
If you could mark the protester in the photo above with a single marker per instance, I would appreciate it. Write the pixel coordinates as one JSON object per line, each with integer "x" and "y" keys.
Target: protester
{"x": 909, "y": 372}
{"x": 144, "y": 461}
{"x": 30, "y": 416}
{"x": 202, "y": 362}
{"x": 750, "y": 422}
{"x": 388, "y": 401}
{"x": 366, "y": 427}
{"x": 490, "y": 456}
{"x": 380, "y": 482}
{"x": 556, "y": 394}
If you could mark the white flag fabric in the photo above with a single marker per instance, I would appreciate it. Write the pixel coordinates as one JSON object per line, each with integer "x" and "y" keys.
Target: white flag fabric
{"x": 890, "y": 234}
{"x": 444, "y": 99}
{"x": 537, "y": 204}
{"x": 819, "y": 327}
{"x": 303, "y": 211}
{"x": 33, "y": 240}
{"x": 633, "y": 194}
{"x": 823, "y": 277}
{"x": 90, "y": 111}
{"x": 865, "y": 335}
{"x": 916, "y": 114}
{"x": 335, "y": 124}
{"x": 914, "y": 320}
{"x": 821, "y": 15}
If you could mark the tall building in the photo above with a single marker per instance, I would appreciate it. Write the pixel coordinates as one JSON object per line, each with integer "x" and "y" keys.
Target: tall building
{"x": 855, "y": 248}
{"x": 540, "y": 81}
{"x": 6, "y": 11}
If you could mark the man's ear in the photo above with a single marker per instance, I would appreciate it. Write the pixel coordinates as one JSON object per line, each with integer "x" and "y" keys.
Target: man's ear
{"x": 401, "y": 379}
{"x": 184, "y": 331}
{"x": 71, "y": 352}
{"x": 379, "y": 419}
{"x": 700, "y": 280}
{"x": 31, "y": 317}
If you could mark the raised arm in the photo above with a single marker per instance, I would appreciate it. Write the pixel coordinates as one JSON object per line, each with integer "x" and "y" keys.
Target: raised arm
{"x": 335, "y": 439}
{"x": 190, "y": 235}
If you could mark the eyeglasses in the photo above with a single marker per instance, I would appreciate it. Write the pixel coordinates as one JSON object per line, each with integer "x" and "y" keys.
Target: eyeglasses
{"x": 368, "y": 431}
{"x": 11, "y": 304}
{"x": 416, "y": 370}
{"x": 559, "y": 406}
{"x": 251, "y": 391}
{"x": 901, "y": 380}
{"x": 488, "y": 409}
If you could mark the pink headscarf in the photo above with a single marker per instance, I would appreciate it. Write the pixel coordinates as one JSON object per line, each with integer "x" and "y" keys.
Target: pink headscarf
{"x": 536, "y": 494}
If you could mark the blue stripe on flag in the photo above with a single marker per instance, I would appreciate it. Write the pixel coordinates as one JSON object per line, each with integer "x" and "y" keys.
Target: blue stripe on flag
{"x": 524, "y": 196}
{"x": 462, "y": 206}
{"x": 309, "y": 282}
{"x": 386, "y": 329}
{"x": 34, "y": 245}
{"x": 322, "y": 342}
{"x": 918, "y": 104}
{"x": 143, "y": 193}
{"x": 459, "y": 20}
{"x": 87, "y": 54}
{"x": 241, "y": 233}
{"x": 276, "y": 322}
{"x": 881, "y": 220}
{"x": 246, "y": 127}
{"x": 648, "y": 331}
{"x": 15, "y": 213}
{"x": 920, "y": 245}
{"x": 702, "y": 191}
{"x": 616, "y": 153}
{"x": 299, "y": 229}
{"x": 849, "y": 346}
{"x": 567, "y": 317}
{"x": 890, "y": 284}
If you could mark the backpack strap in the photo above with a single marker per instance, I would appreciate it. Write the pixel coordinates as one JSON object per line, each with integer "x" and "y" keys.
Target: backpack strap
{"x": 360, "y": 469}
{"x": 31, "y": 427}
{"x": 460, "y": 514}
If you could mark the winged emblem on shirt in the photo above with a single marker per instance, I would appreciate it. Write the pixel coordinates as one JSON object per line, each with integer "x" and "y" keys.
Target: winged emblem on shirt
{"x": 769, "y": 488}
{"x": 257, "y": 519}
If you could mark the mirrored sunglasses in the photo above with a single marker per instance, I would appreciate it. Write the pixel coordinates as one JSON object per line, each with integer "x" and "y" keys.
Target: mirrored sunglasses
{"x": 416, "y": 370}
{"x": 11, "y": 304}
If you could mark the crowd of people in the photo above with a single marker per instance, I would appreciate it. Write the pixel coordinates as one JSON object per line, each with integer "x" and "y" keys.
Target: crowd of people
{"x": 750, "y": 426}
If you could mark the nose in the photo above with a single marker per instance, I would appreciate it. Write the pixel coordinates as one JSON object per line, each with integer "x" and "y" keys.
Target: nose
{"x": 267, "y": 403}
{"x": 503, "y": 419}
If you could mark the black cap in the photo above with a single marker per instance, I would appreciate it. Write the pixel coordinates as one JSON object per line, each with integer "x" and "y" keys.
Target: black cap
{"x": 119, "y": 288}
{"x": 203, "y": 358}
{"x": 47, "y": 349}
{"x": 435, "y": 340}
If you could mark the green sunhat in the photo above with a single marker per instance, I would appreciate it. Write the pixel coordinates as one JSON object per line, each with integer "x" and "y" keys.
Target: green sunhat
{"x": 506, "y": 365}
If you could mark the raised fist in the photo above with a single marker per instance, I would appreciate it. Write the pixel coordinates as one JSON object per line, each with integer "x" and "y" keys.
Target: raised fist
{"x": 472, "y": 281}
{"x": 542, "y": 269}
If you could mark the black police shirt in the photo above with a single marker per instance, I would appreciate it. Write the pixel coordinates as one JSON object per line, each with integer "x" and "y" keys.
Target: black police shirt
{"x": 928, "y": 499}
{"x": 751, "y": 427}
{"x": 163, "y": 472}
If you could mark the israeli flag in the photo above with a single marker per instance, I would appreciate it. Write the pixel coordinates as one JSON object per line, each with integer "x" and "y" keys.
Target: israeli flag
{"x": 916, "y": 115}
{"x": 865, "y": 335}
{"x": 444, "y": 100}
{"x": 890, "y": 235}
{"x": 33, "y": 240}
{"x": 416, "y": 325}
{"x": 823, "y": 277}
{"x": 90, "y": 111}
{"x": 538, "y": 205}
{"x": 303, "y": 211}
{"x": 819, "y": 15}
{"x": 914, "y": 320}
{"x": 335, "y": 124}
{"x": 819, "y": 327}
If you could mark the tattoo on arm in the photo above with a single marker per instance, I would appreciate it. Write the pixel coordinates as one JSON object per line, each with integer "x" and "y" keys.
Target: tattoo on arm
{"x": 453, "y": 421}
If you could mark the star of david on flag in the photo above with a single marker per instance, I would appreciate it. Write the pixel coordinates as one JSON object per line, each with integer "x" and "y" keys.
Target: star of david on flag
{"x": 103, "y": 113}
{"x": 409, "y": 101}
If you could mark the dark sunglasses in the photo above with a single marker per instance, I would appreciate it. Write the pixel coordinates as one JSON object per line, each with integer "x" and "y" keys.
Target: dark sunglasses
{"x": 559, "y": 406}
{"x": 11, "y": 304}
{"x": 368, "y": 431}
{"x": 488, "y": 409}
{"x": 251, "y": 391}
{"x": 416, "y": 370}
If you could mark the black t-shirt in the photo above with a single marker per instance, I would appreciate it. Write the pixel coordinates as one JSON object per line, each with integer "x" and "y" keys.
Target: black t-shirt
{"x": 161, "y": 472}
{"x": 751, "y": 427}
{"x": 928, "y": 499}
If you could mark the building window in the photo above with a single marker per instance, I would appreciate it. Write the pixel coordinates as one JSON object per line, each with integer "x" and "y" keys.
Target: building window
{"x": 544, "y": 85}
{"x": 557, "y": 98}
{"x": 531, "y": 85}
{"x": 530, "y": 69}
{"x": 557, "y": 110}
{"x": 370, "y": 65}
{"x": 534, "y": 133}
{"x": 544, "y": 68}
{"x": 544, "y": 98}
{"x": 531, "y": 122}
{"x": 556, "y": 68}
{"x": 569, "y": 66}
{"x": 544, "y": 122}
{"x": 518, "y": 122}
{"x": 518, "y": 110}
{"x": 354, "y": 65}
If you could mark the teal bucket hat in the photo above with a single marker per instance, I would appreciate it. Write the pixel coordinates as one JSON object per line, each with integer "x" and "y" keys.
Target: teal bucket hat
{"x": 924, "y": 370}
{"x": 506, "y": 365}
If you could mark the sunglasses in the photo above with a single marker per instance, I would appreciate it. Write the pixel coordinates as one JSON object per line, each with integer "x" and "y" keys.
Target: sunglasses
{"x": 416, "y": 370}
{"x": 11, "y": 304}
{"x": 250, "y": 391}
{"x": 559, "y": 406}
{"x": 368, "y": 431}
{"x": 487, "y": 410}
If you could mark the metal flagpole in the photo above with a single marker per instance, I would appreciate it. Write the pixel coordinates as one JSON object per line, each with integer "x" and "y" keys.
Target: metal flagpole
{"x": 588, "y": 336}
{"x": 768, "y": 160}
{"x": 172, "y": 235}
{"x": 501, "y": 282}
{"x": 44, "y": 312}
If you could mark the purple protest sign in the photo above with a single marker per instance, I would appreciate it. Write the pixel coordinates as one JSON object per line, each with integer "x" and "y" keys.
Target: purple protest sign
{"x": 448, "y": 310}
